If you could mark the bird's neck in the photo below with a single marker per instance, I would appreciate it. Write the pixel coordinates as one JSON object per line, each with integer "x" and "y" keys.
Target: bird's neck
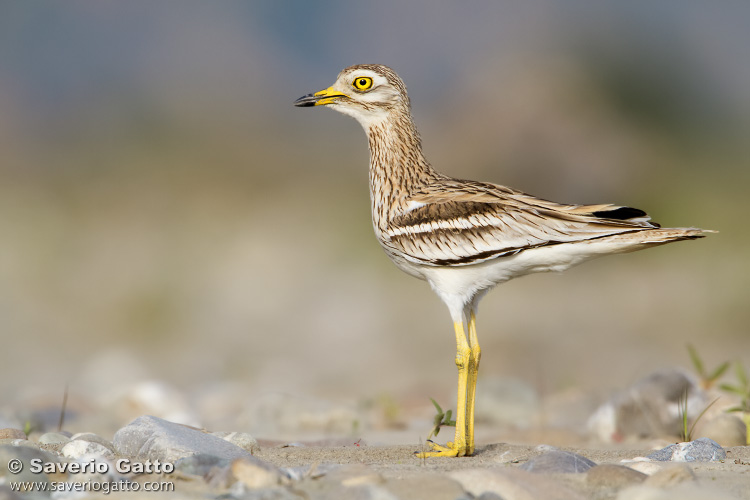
{"x": 397, "y": 166}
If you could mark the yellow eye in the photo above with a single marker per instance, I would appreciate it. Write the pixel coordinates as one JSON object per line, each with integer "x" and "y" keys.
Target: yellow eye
{"x": 362, "y": 83}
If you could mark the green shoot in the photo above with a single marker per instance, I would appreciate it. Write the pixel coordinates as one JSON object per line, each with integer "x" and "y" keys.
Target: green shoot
{"x": 687, "y": 433}
{"x": 682, "y": 403}
{"x": 741, "y": 389}
{"x": 441, "y": 419}
{"x": 707, "y": 379}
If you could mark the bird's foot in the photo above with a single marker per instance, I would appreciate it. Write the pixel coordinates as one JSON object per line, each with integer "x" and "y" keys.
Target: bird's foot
{"x": 449, "y": 450}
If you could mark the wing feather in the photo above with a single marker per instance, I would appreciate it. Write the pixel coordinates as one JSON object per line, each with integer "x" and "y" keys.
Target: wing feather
{"x": 454, "y": 222}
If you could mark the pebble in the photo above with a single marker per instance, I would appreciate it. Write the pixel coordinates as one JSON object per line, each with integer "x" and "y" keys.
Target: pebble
{"x": 153, "y": 438}
{"x": 726, "y": 429}
{"x": 513, "y": 484}
{"x": 670, "y": 476}
{"x": 93, "y": 438}
{"x": 644, "y": 465}
{"x": 255, "y": 474}
{"x": 316, "y": 471}
{"x": 10, "y": 433}
{"x": 558, "y": 461}
{"x": 700, "y": 450}
{"x": 53, "y": 438}
{"x": 348, "y": 475}
{"x": 613, "y": 476}
{"x": 241, "y": 439}
{"x": 76, "y": 449}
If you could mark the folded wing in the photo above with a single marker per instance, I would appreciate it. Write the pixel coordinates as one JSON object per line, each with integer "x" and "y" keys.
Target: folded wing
{"x": 457, "y": 223}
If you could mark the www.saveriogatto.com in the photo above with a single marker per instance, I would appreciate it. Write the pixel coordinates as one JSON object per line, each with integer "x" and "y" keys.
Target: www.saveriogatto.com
{"x": 101, "y": 482}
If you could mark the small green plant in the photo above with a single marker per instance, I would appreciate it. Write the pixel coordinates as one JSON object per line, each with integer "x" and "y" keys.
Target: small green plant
{"x": 741, "y": 389}
{"x": 708, "y": 380}
{"x": 687, "y": 432}
{"x": 441, "y": 419}
{"x": 62, "y": 409}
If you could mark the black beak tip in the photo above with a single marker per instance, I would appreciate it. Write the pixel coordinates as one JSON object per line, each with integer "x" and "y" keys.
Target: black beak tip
{"x": 306, "y": 101}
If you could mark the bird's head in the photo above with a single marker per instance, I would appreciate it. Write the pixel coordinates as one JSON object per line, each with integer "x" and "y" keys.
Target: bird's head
{"x": 367, "y": 92}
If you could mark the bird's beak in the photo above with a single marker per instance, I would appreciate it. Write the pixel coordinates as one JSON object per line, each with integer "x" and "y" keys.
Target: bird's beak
{"x": 321, "y": 98}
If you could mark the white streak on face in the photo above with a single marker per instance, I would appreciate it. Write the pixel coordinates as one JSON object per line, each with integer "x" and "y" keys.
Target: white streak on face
{"x": 376, "y": 101}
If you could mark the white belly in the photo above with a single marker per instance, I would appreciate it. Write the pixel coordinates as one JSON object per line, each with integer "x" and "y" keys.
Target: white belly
{"x": 461, "y": 284}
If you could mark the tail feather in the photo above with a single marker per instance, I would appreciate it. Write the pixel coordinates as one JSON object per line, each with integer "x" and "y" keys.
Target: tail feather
{"x": 660, "y": 236}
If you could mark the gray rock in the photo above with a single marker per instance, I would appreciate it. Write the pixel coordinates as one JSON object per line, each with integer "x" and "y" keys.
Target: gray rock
{"x": 152, "y": 438}
{"x": 215, "y": 471}
{"x": 558, "y": 461}
{"x": 53, "y": 438}
{"x": 650, "y": 407}
{"x": 8, "y": 494}
{"x": 513, "y": 484}
{"x": 613, "y": 476}
{"x": 700, "y": 450}
{"x": 25, "y": 455}
{"x": 487, "y": 495}
{"x": 201, "y": 465}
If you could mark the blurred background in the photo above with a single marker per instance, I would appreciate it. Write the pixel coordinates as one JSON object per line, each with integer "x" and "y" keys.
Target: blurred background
{"x": 167, "y": 215}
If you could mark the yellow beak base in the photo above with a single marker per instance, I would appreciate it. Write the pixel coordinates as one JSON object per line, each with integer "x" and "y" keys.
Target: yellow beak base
{"x": 321, "y": 98}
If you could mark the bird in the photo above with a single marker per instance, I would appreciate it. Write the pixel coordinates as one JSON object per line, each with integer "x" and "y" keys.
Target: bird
{"x": 465, "y": 237}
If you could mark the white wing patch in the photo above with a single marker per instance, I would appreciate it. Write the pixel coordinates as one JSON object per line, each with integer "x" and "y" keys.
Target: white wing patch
{"x": 413, "y": 205}
{"x": 472, "y": 222}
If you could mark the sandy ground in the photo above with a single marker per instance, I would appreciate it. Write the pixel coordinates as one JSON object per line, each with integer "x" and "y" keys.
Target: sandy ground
{"x": 399, "y": 462}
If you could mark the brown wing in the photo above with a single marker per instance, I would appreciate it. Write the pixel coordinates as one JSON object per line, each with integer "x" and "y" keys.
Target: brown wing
{"x": 463, "y": 222}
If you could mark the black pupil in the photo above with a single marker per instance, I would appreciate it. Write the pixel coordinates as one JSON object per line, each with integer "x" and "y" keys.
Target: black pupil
{"x": 362, "y": 82}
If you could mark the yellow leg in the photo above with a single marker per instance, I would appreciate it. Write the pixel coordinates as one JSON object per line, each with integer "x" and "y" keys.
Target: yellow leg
{"x": 458, "y": 447}
{"x": 476, "y": 355}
